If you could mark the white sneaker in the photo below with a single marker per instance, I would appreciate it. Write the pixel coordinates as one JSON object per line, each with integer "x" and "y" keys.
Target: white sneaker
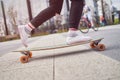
{"x": 76, "y": 37}
{"x": 23, "y": 34}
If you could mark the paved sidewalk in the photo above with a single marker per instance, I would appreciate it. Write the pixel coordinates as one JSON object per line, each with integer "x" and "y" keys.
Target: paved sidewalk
{"x": 73, "y": 63}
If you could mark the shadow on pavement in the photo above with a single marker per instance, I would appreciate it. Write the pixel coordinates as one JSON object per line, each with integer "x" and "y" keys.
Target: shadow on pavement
{"x": 62, "y": 54}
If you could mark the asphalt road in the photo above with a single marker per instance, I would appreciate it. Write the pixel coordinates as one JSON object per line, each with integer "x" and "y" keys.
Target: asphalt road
{"x": 111, "y": 40}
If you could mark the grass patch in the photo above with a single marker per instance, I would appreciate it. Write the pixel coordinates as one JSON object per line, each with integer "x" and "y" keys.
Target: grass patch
{"x": 116, "y": 21}
{"x": 9, "y": 38}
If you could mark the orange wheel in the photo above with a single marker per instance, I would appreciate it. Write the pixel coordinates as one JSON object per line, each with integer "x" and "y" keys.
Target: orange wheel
{"x": 30, "y": 54}
{"x": 24, "y": 59}
{"x": 101, "y": 47}
{"x": 92, "y": 45}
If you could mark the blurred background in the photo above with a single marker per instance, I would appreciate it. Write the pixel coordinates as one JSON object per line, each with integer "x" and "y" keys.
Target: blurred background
{"x": 18, "y": 12}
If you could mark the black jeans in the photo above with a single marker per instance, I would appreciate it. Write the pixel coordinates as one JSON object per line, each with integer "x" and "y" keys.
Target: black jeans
{"x": 55, "y": 7}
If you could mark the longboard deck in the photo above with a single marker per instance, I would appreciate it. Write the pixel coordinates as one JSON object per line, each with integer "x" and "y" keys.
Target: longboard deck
{"x": 57, "y": 46}
{"x": 28, "y": 54}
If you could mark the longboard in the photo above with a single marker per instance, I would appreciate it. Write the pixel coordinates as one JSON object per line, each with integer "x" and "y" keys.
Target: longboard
{"x": 94, "y": 44}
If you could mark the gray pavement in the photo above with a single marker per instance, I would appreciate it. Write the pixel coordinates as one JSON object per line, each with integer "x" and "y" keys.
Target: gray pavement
{"x": 73, "y": 63}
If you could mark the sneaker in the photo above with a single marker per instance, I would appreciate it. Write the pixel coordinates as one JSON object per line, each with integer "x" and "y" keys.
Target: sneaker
{"x": 24, "y": 34}
{"x": 76, "y": 37}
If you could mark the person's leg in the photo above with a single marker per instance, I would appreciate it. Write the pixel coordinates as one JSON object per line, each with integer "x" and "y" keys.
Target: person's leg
{"x": 55, "y": 7}
{"x": 25, "y": 30}
{"x": 75, "y": 14}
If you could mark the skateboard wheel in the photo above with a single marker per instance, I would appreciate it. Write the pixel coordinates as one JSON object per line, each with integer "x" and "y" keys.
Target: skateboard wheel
{"x": 30, "y": 54}
{"x": 92, "y": 45}
{"x": 24, "y": 59}
{"x": 101, "y": 47}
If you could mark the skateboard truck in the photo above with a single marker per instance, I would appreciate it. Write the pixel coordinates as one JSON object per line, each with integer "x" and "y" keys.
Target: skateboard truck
{"x": 97, "y": 41}
{"x": 27, "y": 53}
